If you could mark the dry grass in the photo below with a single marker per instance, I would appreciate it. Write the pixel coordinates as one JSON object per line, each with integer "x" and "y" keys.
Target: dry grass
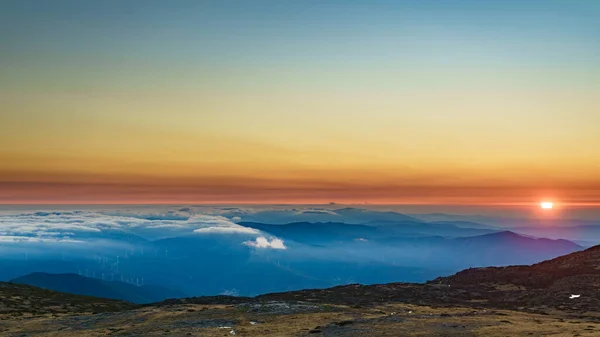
{"x": 18, "y": 299}
{"x": 388, "y": 320}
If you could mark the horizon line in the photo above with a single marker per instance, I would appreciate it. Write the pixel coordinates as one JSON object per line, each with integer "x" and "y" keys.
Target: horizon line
{"x": 247, "y": 203}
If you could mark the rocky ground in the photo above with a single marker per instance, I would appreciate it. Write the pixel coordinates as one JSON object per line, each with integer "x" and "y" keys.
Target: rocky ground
{"x": 281, "y": 318}
{"x": 18, "y": 299}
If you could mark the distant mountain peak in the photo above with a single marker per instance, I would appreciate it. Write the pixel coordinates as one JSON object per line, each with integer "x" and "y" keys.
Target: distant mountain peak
{"x": 509, "y": 234}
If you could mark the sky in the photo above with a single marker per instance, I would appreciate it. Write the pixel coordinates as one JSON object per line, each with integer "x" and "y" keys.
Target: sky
{"x": 444, "y": 102}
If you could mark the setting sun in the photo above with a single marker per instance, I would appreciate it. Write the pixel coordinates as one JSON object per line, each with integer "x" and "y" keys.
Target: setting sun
{"x": 546, "y": 205}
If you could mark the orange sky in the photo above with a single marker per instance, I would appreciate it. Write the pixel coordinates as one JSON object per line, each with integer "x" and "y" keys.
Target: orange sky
{"x": 408, "y": 102}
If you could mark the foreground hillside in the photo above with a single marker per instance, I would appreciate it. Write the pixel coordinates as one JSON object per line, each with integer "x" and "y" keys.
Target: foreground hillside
{"x": 19, "y": 299}
{"x": 532, "y": 300}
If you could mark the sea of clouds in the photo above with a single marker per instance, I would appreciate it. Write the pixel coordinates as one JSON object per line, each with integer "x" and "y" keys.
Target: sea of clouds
{"x": 80, "y": 226}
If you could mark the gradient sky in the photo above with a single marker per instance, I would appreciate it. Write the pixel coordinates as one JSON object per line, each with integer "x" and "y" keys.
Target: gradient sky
{"x": 299, "y": 101}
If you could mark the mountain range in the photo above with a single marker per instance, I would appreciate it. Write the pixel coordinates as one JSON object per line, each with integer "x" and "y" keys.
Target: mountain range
{"x": 81, "y": 285}
{"x": 234, "y": 253}
{"x": 557, "y": 296}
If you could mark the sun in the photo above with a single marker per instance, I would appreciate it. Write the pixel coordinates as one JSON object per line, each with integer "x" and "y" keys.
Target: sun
{"x": 546, "y": 204}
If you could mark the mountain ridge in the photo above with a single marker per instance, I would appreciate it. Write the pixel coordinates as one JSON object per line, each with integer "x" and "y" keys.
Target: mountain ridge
{"x": 463, "y": 304}
{"x": 502, "y": 287}
{"x": 81, "y": 285}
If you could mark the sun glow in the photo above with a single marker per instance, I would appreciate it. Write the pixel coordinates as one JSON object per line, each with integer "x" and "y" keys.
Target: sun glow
{"x": 546, "y": 205}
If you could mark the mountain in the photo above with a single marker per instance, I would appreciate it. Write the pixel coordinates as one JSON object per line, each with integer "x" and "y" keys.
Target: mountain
{"x": 446, "y": 229}
{"x": 345, "y": 215}
{"x": 16, "y": 299}
{"x": 338, "y": 258}
{"x": 545, "y": 284}
{"x": 365, "y": 215}
{"x": 570, "y": 226}
{"x": 508, "y": 301}
{"x": 566, "y": 269}
{"x": 589, "y": 233}
{"x": 81, "y": 285}
{"x": 537, "y": 288}
{"x": 312, "y": 255}
{"x": 492, "y": 221}
{"x": 319, "y": 232}
{"x": 465, "y": 224}
{"x": 424, "y": 245}
{"x": 214, "y": 264}
{"x": 554, "y": 297}
{"x": 507, "y": 247}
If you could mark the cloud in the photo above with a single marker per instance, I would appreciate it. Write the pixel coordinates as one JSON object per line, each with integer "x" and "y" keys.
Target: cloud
{"x": 229, "y": 229}
{"x": 263, "y": 242}
{"x": 317, "y": 211}
{"x": 219, "y": 224}
{"x": 91, "y": 224}
{"x": 47, "y": 224}
{"x": 22, "y": 239}
{"x": 232, "y": 292}
{"x": 95, "y": 225}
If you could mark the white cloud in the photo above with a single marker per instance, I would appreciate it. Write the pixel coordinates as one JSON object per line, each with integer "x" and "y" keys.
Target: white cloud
{"x": 229, "y": 229}
{"x": 21, "y": 239}
{"x": 90, "y": 224}
{"x": 263, "y": 242}
{"x": 317, "y": 211}
{"x": 219, "y": 224}
{"x": 232, "y": 292}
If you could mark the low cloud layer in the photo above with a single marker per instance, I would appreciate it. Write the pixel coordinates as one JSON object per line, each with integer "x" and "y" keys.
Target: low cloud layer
{"x": 228, "y": 229}
{"x": 24, "y": 239}
{"x": 263, "y": 242}
{"x": 77, "y": 225}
